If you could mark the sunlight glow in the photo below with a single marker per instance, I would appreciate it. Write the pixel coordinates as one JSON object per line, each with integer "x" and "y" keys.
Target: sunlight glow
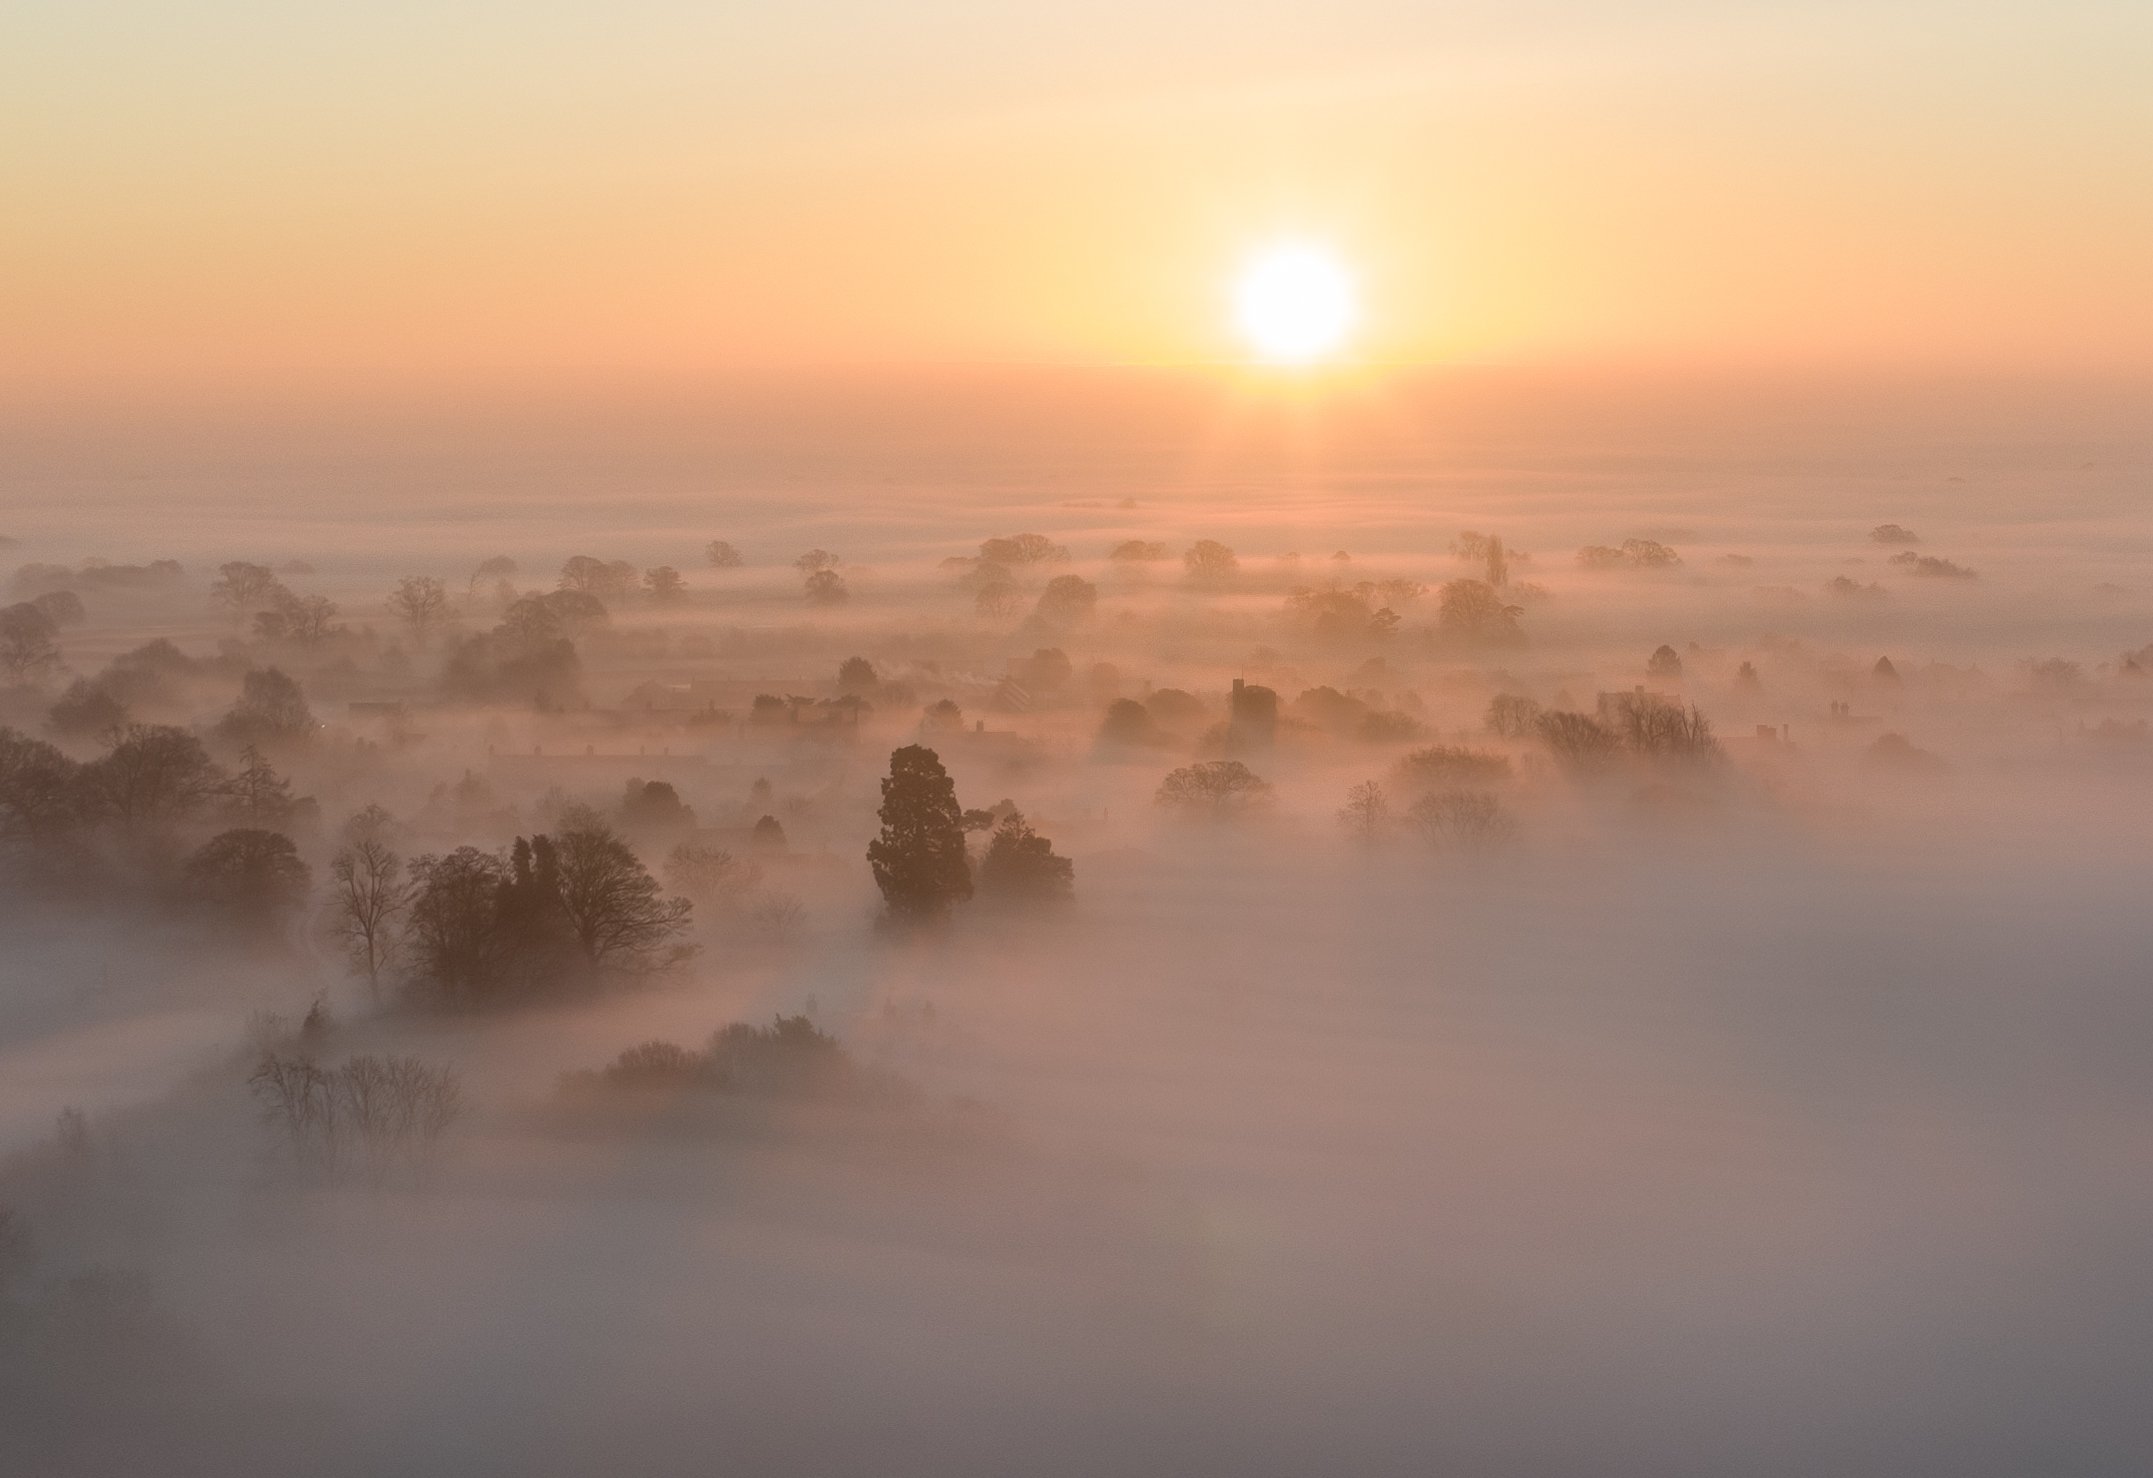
{"x": 1295, "y": 304}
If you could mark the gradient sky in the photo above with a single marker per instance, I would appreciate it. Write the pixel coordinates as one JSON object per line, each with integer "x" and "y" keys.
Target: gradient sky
{"x": 222, "y": 192}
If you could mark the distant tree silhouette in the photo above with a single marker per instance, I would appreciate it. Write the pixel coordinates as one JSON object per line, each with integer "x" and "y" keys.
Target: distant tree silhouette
{"x": 996, "y": 598}
{"x": 721, "y": 556}
{"x": 421, "y": 602}
{"x": 1209, "y": 562}
{"x": 815, "y": 561}
{"x": 499, "y": 568}
{"x": 271, "y": 710}
{"x": 1891, "y": 533}
{"x": 242, "y": 588}
{"x": 665, "y": 584}
{"x": 826, "y": 587}
{"x": 1213, "y": 788}
{"x": 29, "y": 646}
{"x": 856, "y": 675}
{"x": 41, "y": 796}
{"x": 1512, "y": 716}
{"x": 1657, "y": 728}
{"x": 1664, "y": 662}
{"x": 257, "y": 796}
{"x": 250, "y": 874}
{"x": 369, "y": 894}
{"x": 1366, "y": 815}
{"x": 62, "y": 607}
{"x": 1470, "y": 820}
{"x": 653, "y": 806}
{"x": 1577, "y": 740}
{"x": 1021, "y": 866}
{"x": 919, "y": 859}
{"x": 601, "y": 579}
{"x": 616, "y": 912}
{"x": 767, "y": 835}
{"x": 458, "y": 949}
{"x": 1473, "y": 611}
{"x": 1129, "y": 722}
{"x": 1067, "y": 599}
{"x": 1138, "y": 551}
{"x": 1021, "y": 549}
{"x": 154, "y": 777}
{"x": 942, "y": 716}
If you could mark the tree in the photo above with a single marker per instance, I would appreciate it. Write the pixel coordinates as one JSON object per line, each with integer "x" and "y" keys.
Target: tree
{"x": 1020, "y": 865}
{"x": 721, "y": 555}
{"x": 304, "y": 620}
{"x": 154, "y": 777}
{"x": 1472, "y": 611}
{"x": 243, "y": 588}
{"x": 1366, "y": 815}
{"x": 39, "y": 799}
{"x": 62, "y": 607}
{"x": 369, "y": 894}
{"x": 28, "y": 645}
{"x": 1066, "y": 600}
{"x": 251, "y": 874}
{"x": 1137, "y": 551}
{"x": 857, "y": 675}
{"x": 1665, "y": 662}
{"x": 1021, "y": 549}
{"x": 421, "y": 602}
{"x": 1659, "y": 728}
{"x": 1577, "y": 740}
{"x": 826, "y": 588}
{"x": 1472, "y": 820}
{"x": 271, "y": 710}
{"x": 996, "y": 598}
{"x": 815, "y": 561}
{"x": 767, "y": 834}
{"x": 499, "y": 568}
{"x": 919, "y": 859}
{"x": 455, "y": 942}
{"x": 665, "y": 584}
{"x": 602, "y": 579}
{"x": 1209, "y": 562}
{"x": 655, "y": 806}
{"x": 258, "y": 796}
{"x": 88, "y": 708}
{"x": 1213, "y": 788}
{"x": 619, "y": 917}
{"x": 1512, "y": 716}
{"x": 709, "y": 875}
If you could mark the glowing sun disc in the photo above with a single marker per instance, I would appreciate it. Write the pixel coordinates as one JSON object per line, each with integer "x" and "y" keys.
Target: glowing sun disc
{"x": 1295, "y": 304}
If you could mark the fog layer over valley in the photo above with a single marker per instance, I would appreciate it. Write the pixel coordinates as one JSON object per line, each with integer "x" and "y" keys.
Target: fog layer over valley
{"x": 1138, "y": 942}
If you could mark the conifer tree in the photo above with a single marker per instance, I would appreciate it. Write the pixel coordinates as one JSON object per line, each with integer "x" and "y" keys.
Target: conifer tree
{"x": 919, "y": 860}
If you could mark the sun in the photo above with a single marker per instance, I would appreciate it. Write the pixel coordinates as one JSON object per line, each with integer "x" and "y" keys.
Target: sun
{"x": 1295, "y": 304}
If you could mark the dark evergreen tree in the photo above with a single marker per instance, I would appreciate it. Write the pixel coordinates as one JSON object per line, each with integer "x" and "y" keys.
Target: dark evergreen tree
{"x": 919, "y": 860}
{"x": 1020, "y": 865}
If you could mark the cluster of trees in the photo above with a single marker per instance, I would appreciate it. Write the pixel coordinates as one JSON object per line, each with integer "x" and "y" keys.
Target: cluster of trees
{"x": 792, "y": 1056}
{"x": 920, "y": 860}
{"x": 369, "y": 1114}
{"x": 137, "y": 803}
{"x": 1633, "y": 554}
{"x": 1456, "y": 817}
{"x": 1644, "y": 724}
{"x": 571, "y": 909}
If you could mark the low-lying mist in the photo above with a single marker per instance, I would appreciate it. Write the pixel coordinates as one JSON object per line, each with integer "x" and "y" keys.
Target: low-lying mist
{"x": 1612, "y": 964}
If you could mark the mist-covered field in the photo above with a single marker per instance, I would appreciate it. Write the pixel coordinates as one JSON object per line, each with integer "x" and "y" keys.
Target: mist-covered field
{"x": 1471, "y": 927}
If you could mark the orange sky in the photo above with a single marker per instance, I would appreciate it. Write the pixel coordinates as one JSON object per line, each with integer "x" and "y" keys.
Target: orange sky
{"x": 486, "y": 192}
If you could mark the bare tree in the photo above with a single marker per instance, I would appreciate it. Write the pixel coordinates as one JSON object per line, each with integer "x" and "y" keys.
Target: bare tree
{"x": 1214, "y": 788}
{"x": 421, "y": 602}
{"x": 28, "y": 645}
{"x": 617, "y": 913}
{"x": 1366, "y": 815}
{"x": 1470, "y": 820}
{"x": 369, "y": 895}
